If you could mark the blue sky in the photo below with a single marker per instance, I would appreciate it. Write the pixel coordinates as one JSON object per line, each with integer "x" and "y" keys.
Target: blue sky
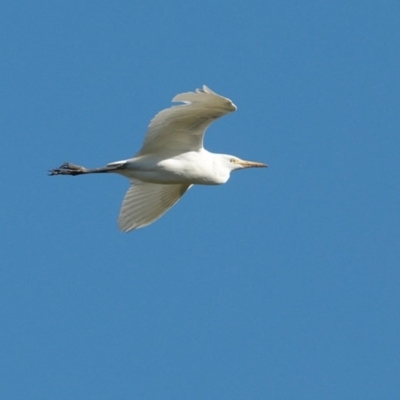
{"x": 281, "y": 284}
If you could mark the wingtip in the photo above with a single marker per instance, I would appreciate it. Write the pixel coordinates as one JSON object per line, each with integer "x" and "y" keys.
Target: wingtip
{"x": 199, "y": 96}
{"x": 206, "y": 89}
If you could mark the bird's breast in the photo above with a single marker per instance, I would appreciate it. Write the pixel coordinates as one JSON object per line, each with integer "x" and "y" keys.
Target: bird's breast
{"x": 189, "y": 171}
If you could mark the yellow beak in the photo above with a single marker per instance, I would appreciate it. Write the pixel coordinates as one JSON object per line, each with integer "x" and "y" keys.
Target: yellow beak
{"x": 251, "y": 164}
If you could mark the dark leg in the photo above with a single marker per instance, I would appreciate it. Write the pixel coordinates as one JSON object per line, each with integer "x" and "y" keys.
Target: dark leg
{"x": 71, "y": 169}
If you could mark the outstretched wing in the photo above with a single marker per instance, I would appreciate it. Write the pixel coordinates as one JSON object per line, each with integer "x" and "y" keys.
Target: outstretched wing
{"x": 145, "y": 202}
{"x": 181, "y": 128}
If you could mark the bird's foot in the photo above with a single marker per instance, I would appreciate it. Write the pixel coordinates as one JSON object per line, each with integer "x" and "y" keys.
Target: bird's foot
{"x": 68, "y": 169}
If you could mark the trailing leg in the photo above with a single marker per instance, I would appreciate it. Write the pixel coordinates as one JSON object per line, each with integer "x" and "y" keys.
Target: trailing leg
{"x": 72, "y": 169}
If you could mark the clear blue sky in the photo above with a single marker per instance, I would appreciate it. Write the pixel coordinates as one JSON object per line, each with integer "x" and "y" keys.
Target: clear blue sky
{"x": 281, "y": 284}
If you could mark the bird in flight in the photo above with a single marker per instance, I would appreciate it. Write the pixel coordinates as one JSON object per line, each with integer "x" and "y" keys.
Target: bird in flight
{"x": 171, "y": 160}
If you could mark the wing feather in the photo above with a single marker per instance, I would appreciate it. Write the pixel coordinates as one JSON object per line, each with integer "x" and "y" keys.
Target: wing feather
{"x": 145, "y": 202}
{"x": 181, "y": 128}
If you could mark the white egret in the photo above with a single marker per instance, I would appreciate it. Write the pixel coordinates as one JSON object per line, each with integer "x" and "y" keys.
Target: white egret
{"x": 171, "y": 159}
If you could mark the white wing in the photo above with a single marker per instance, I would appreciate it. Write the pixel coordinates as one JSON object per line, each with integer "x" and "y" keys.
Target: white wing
{"x": 181, "y": 128}
{"x": 145, "y": 202}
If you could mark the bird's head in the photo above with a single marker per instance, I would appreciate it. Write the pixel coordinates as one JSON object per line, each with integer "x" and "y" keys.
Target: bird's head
{"x": 224, "y": 164}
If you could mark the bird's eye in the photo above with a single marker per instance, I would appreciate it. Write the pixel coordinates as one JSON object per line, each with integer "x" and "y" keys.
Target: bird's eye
{"x": 233, "y": 160}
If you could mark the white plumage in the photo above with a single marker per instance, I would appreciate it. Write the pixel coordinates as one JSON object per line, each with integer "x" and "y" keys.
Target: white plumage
{"x": 181, "y": 128}
{"x": 171, "y": 159}
{"x": 146, "y": 202}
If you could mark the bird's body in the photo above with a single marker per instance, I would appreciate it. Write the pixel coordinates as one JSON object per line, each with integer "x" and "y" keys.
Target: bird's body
{"x": 194, "y": 167}
{"x": 171, "y": 159}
